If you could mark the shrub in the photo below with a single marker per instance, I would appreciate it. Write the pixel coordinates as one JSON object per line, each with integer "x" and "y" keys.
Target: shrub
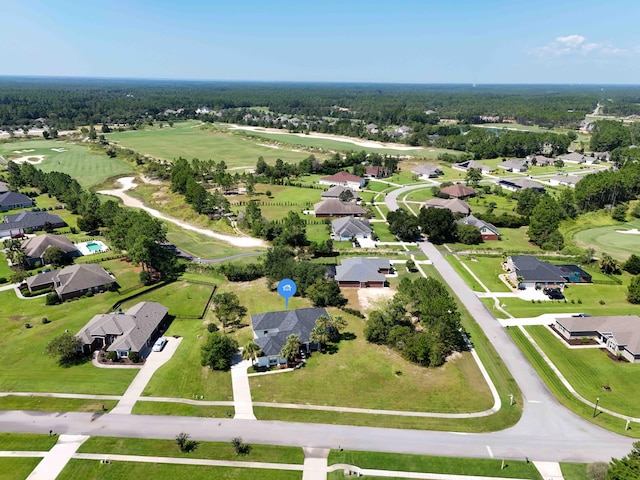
{"x": 146, "y": 277}
{"x": 601, "y": 302}
{"x": 113, "y": 356}
{"x": 597, "y": 471}
{"x": 3, "y": 280}
{"x": 239, "y": 447}
{"x": 579, "y": 301}
{"x": 134, "y": 357}
{"x": 45, "y": 320}
{"x": 27, "y": 325}
{"x": 185, "y": 444}
{"x": 52, "y": 299}
{"x": 212, "y": 327}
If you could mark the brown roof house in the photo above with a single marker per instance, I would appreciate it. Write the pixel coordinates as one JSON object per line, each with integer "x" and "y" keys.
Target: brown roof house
{"x": 620, "y": 335}
{"x": 376, "y": 172}
{"x": 35, "y": 247}
{"x": 458, "y": 191}
{"x": 332, "y": 207}
{"x": 73, "y": 281}
{"x": 344, "y": 179}
{"x": 363, "y": 272}
{"x": 457, "y": 206}
{"x": 132, "y": 331}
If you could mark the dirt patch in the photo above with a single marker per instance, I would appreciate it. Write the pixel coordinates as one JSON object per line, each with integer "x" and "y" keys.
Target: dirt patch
{"x": 369, "y": 298}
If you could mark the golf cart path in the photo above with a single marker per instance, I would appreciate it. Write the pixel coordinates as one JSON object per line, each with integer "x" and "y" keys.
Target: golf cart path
{"x": 128, "y": 184}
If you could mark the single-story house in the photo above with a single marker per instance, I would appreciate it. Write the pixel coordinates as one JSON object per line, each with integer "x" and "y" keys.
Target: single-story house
{"x": 73, "y": 281}
{"x": 456, "y": 205}
{"x": 347, "y": 228}
{"x": 566, "y": 180}
{"x": 464, "y": 166}
{"x": 402, "y": 131}
{"x": 271, "y": 329}
{"x": 575, "y": 157}
{"x": 4, "y": 187}
{"x": 336, "y": 191}
{"x": 487, "y": 230}
{"x": 513, "y": 165}
{"x": 602, "y": 156}
{"x": 35, "y": 247}
{"x": 427, "y": 170}
{"x": 620, "y": 334}
{"x": 534, "y": 273}
{"x": 540, "y": 160}
{"x": 35, "y": 221}
{"x": 371, "y": 128}
{"x": 517, "y": 184}
{"x": 363, "y": 272}
{"x": 333, "y": 207}
{"x": 458, "y": 191}
{"x": 124, "y": 332}
{"x": 14, "y": 200}
{"x": 376, "y": 171}
{"x": 344, "y": 179}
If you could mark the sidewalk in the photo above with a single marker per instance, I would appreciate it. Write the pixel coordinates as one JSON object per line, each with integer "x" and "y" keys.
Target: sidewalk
{"x": 241, "y": 390}
{"x": 57, "y": 458}
{"x": 315, "y": 463}
{"x": 154, "y": 361}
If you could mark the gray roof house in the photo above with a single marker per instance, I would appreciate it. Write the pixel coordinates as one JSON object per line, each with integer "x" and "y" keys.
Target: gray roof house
{"x": 534, "y": 273}
{"x": 336, "y": 191}
{"x": 333, "y": 207}
{"x": 575, "y": 157}
{"x": 346, "y": 228}
{"x": 464, "y": 166}
{"x": 517, "y": 184}
{"x": 36, "y": 246}
{"x": 131, "y": 331}
{"x": 363, "y": 272}
{"x": 73, "y": 281}
{"x": 454, "y": 204}
{"x": 20, "y": 222}
{"x": 427, "y": 170}
{"x": 487, "y": 230}
{"x": 4, "y": 187}
{"x": 14, "y": 200}
{"x": 271, "y": 329}
{"x": 620, "y": 334}
{"x": 566, "y": 180}
{"x": 513, "y": 165}
{"x": 541, "y": 160}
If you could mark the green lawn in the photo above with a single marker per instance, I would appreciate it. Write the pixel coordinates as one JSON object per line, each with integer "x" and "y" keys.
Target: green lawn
{"x": 382, "y": 231}
{"x": 574, "y": 471}
{"x": 485, "y": 268}
{"x": 562, "y": 394}
{"x": 191, "y": 141}
{"x": 589, "y": 370}
{"x": 17, "y": 468}
{"x": 206, "y": 450}
{"x": 5, "y": 269}
{"x": 93, "y": 470}
{"x": 50, "y": 404}
{"x": 26, "y": 441}
{"x": 182, "y": 409}
{"x": 77, "y": 161}
{"x": 512, "y": 240}
{"x": 608, "y": 239}
{"x": 200, "y": 245}
{"x": 181, "y": 298}
{"x": 432, "y": 464}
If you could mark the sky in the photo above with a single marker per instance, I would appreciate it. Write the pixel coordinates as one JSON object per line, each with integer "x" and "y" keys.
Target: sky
{"x": 410, "y": 41}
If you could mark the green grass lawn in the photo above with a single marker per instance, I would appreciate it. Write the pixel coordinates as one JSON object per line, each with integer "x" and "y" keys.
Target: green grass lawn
{"x": 574, "y": 471}
{"x": 485, "y": 268}
{"x": 191, "y": 141}
{"x": 181, "y": 298}
{"x": 607, "y": 239}
{"x": 206, "y": 450}
{"x": 182, "y": 409}
{"x": 200, "y": 245}
{"x": 77, "y": 161}
{"x": 5, "y": 269}
{"x": 50, "y": 404}
{"x": 184, "y": 376}
{"x": 588, "y": 370}
{"x": 433, "y": 464}
{"x": 17, "y": 468}
{"x": 512, "y": 240}
{"x": 570, "y": 229}
{"x": 563, "y": 395}
{"x": 382, "y": 231}
{"x": 26, "y": 441}
{"x": 92, "y": 469}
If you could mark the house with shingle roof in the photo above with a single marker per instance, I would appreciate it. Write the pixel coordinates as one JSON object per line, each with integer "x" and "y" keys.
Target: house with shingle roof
{"x": 73, "y": 281}
{"x": 333, "y": 207}
{"x": 347, "y": 228}
{"x": 363, "y": 272}
{"x": 427, "y": 170}
{"x": 513, "y": 165}
{"x": 565, "y": 180}
{"x": 619, "y": 334}
{"x": 13, "y": 201}
{"x": 132, "y": 331}
{"x": 488, "y": 231}
{"x": 534, "y": 273}
{"x": 336, "y": 191}
{"x": 344, "y": 179}
{"x": 376, "y": 171}
{"x": 464, "y": 166}
{"x": 4, "y": 187}
{"x": 517, "y": 184}
{"x": 541, "y": 160}
{"x": 271, "y": 329}
{"x": 576, "y": 157}
{"x": 458, "y": 191}
{"x": 17, "y": 223}
{"x": 35, "y": 247}
{"x": 456, "y": 205}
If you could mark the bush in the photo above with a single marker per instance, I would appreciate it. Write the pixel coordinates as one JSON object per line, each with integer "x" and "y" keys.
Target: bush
{"x": 353, "y": 311}
{"x": 3, "y": 280}
{"x": 52, "y": 299}
{"x": 27, "y": 325}
{"x": 185, "y": 444}
{"x": 146, "y": 277}
{"x": 239, "y": 447}
{"x": 113, "y": 356}
{"x": 45, "y": 320}
{"x": 134, "y": 357}
{"x": 597, "y": 471}
{"x": 212, "y": 327}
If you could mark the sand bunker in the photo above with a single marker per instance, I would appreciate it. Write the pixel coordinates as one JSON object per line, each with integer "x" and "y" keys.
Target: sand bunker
{"x": 33, "y": 159}
{"x": 633, "y": 231}
{"x": 59, "y": 150}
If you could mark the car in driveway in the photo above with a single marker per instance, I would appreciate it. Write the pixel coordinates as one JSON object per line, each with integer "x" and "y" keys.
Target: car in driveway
{"x": 581, "y": 315}
{"x": 159, "y": 345}
{"x": 554, "y": 294}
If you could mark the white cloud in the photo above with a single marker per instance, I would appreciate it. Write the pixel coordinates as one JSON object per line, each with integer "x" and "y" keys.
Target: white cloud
{"x": 570, "y": 41}
{"x": 574, "y": 45}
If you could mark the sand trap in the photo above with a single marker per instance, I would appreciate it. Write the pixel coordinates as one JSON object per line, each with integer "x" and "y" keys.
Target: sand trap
{"x": 338, "y": 138}
{"x": 633, "y": 231}
{"x": 59, "y": 150}
{"x": 369, "y": 297}
{"x": 33, "y": 159}
{"x": 128, "y": 183}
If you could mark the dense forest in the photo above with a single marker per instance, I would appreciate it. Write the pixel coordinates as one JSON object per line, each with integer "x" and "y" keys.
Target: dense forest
{"x": 64, "y": 103}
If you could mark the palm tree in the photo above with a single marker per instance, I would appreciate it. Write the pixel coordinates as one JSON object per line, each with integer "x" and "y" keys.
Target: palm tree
{"x": 291, "y": 348}
{"x": 319, "y": 335}
{"x": 609, "y": 265}
{"x": 251, "y": 351}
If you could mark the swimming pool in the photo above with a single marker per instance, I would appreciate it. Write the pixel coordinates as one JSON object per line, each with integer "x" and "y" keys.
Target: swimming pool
{"x": 93, "y": 247}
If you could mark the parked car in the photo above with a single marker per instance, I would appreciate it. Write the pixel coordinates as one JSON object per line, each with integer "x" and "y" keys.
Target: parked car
{"x": 581, "y": 315}
{"x": 555, "y": 294}
{"x": 159, "y": 345}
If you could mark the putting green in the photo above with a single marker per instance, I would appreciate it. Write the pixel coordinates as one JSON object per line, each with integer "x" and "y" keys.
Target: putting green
{"x": 610, "y": 240}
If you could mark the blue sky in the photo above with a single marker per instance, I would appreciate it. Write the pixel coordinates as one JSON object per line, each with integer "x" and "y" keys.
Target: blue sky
{"x": 410, "y": 41}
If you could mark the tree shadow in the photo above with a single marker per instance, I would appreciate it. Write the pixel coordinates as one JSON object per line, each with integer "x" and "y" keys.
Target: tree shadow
{"x": 348, "y": 336}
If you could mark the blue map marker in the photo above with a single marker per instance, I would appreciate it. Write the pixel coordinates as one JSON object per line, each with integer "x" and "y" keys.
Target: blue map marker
{"x": 287, "y": 289}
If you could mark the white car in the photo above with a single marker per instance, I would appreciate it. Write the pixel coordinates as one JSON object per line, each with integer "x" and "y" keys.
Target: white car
{"x": 159, "y": 345}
